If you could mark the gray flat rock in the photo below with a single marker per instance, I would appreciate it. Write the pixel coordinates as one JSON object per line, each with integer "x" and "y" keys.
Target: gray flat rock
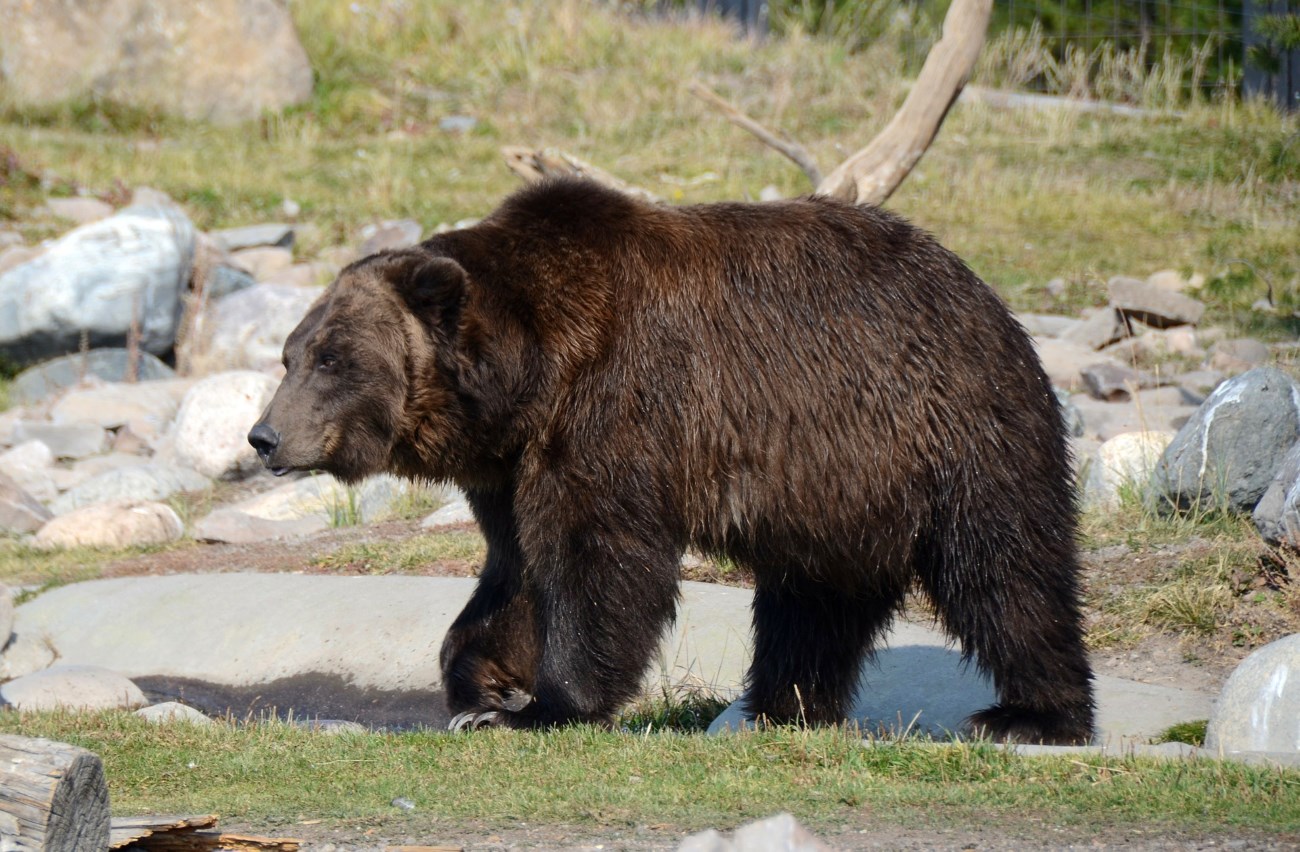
{"x": 73, "y": 687}
{"x": 379, "y": 637}
{"x": 110, "y": 364}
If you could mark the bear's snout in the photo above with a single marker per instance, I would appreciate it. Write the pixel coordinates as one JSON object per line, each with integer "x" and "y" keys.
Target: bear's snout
{"x": 265, "y": 440}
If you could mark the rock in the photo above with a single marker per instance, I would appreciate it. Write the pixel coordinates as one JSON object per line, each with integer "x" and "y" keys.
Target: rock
{"x": 72, "y": 687}
{"x": 1230, "y": 449}
{"x": 16, "y": 256}
{"x": 1259, "y": 707}
{"x": 1238, "y": 355}
{"x": 224, "y": 279}
{"x": 1102, "y": 328}
{"x": 114, "y": 405}
{"x": 302, "y": 507}
{"x": 210, "y": 434}
{"x": 20, "y": 512}
{"x": 1047, "y": 325}
{"x": 156, "y": 481}
{"x": 1201, "y": 381}
{"x": 171, "y": 713}
{"x": 1277, "y": 514}
{"x": 112, "y": 525}
{"x": 1056, "y": 287}
{"x": 453, "y": 513}
{"x": 6, "y": 612}
{"x": 1070, "y": 414}
{"x": 457, "y": 123}
{"x": 1155, "y": 306}
{"x": 26, "y": 653}
{"x": 65, "y": 440}
{"x": 100, "y": 281}
{"x": 221, "y": 60}
{"x": 82, "y": 211}
{"x": 127, "y": 440}
{"x": 1122, "y": 467}
{"x": 771, "y": 192}
{"x": 398, "y": 234}
{"x": 1156, "y": 343}
{"x": 247, "y": 329}
{"x": 29, "y": 465}
{"x": 275, "y": 234}
{"x": 780, "y": 833}
{"x": 300, "y": 275}
{"x": 1105, "y": 420}
{"x": 334, "y": 728}
{"x": 1173, "y": 281}
{"x": 263, "y": 262}
{"x": 9, "y": 238}
{"x": 1063, "y": 361}
{"x": 112, "y": 365}
{"x": 1115, "y": 383}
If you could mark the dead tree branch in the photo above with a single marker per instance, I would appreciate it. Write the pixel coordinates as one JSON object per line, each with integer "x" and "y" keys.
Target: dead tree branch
{"x": 873, "y": 173}
{"x": 534, "y": 164}
{"x": 795, "y": 152}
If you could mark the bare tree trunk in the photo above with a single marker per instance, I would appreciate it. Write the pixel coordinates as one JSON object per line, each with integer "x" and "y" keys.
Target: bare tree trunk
{"x": 53, "y": 797}
{"x": 873, "y": 173}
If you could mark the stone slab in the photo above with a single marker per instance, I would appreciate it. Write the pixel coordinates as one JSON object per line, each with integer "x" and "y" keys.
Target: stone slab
{"x": 383, "y": 634}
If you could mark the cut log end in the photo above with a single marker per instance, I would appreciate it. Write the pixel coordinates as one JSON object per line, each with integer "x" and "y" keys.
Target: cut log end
{"x": 53, "y": 796}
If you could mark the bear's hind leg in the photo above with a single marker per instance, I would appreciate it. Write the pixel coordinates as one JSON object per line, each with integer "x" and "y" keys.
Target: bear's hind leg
{"x": 1009, "y": 592}
{"x": 810, "y": 639}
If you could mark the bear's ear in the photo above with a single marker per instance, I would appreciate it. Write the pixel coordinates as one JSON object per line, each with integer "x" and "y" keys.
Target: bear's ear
{"x": 432, "y": 287}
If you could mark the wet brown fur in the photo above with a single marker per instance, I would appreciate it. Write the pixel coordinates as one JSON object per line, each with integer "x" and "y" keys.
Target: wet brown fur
{"x": 820, "y": 392}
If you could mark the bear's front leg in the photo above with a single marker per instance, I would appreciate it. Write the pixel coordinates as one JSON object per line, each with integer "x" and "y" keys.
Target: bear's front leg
{"x": 490, "y": 654}
{"x": 601, "y": 588}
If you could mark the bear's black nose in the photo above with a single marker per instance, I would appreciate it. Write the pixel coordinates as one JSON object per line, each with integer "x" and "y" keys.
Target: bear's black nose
{"x": 264, "y": 439}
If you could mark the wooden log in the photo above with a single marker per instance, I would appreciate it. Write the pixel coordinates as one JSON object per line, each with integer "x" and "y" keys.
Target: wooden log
{"x": 534, "y": 164}
{"x": 53, "y": 797}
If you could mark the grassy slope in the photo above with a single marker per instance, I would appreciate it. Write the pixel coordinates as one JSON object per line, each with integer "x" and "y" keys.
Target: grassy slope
{"x": 1024, "y": 196}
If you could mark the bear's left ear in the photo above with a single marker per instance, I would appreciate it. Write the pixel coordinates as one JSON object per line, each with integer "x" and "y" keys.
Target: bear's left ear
{"x": 432, "y": 287}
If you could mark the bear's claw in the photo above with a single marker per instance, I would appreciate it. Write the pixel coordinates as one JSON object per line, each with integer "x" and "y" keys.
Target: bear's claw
{"x": 473, "y": 720}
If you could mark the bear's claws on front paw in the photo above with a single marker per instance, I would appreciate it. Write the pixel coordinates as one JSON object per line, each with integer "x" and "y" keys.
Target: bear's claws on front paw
{"x": 472, "y": 720}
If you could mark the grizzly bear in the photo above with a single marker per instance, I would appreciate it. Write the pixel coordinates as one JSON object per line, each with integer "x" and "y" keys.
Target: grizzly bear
{"x": 817, "y": 391}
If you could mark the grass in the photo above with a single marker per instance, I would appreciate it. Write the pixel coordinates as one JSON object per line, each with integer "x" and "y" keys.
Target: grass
{"x": 1024, "y": 195}
{"x": 24, "y": 565}
{"x": 272, "y": 773}
{"x": 404, "y": 555}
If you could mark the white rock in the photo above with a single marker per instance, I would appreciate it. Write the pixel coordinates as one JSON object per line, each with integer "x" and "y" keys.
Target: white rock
{"x": 20, "y": 512}
{"x": 1259, "y": 707}
{"x": 112, "y": 525}
{"x": 26, "y": 653}
{"x": 6, "y": 614}
{"x": 29, "y": 455}
{"x": 82, "y": 211}
{"x": 302, "y": 507}
{"x": 455, "y": 512}
{"x": 100, "y": 280}
{"x": 72, "y": 687}
{"x": 263, "y": 262}
{"x": 172, "y": 712}
{"x": 113, "y": 405}
{"x": 247, "y": 329}
{"x": 1124, "y": 464}
{"x": 153, "y": 481}
{"x": 65, "y": 440}
{"x": 211, "y": 429}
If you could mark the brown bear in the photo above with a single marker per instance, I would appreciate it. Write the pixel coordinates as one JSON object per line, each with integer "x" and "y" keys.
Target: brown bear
{"x": 817, "y": 391}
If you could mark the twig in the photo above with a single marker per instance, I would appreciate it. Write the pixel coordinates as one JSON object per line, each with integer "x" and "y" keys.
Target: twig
{"x": 795, "y": 152}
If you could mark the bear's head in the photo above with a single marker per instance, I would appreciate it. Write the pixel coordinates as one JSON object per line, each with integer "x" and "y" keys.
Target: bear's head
{"x": 372, "y": 374}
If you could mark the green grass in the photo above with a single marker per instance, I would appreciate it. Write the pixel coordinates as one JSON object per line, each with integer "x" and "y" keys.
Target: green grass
{"x": 21, "y": 564}
{"x": 405, "y": 555}
{"x": 1191, "y": 733}
{"x": 273, "y": 773}
{"x": 1024, "y": 196}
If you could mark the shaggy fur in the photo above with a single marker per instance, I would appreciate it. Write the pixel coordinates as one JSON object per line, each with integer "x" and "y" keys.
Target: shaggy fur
{"x": 818, "y": 391}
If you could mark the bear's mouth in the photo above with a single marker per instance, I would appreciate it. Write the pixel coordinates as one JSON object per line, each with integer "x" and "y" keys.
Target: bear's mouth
{"x": 279, "y": 471}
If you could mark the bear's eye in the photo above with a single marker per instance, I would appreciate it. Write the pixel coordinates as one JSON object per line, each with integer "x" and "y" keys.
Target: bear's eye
{"x": 328, "y": 361}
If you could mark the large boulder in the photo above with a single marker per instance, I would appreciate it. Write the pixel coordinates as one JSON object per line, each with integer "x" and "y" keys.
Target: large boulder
{"x": 98, "y": 282}
{"x": 113, "y": 525}
{"x": 220, "y": 60}
{"x": 19, "y": 511}
{"x": 247, "y": 329}
{"x": 303, "y": 507}
{"x": 210, "y": 434}
{"x": 1228, "y": 452}
{"x": 1259, "y": 707}
{"x": 153, "y": 481}
{"x": 111, "y": 365}
{"x": 1277, "y": 514}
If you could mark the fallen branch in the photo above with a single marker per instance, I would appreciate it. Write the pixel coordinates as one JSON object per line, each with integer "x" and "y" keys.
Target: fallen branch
{"x": 53, "y": 796}
{"x": 795, "y": 152}
{"x": 873, "y": 173}
{"x": 534, "y": 164}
